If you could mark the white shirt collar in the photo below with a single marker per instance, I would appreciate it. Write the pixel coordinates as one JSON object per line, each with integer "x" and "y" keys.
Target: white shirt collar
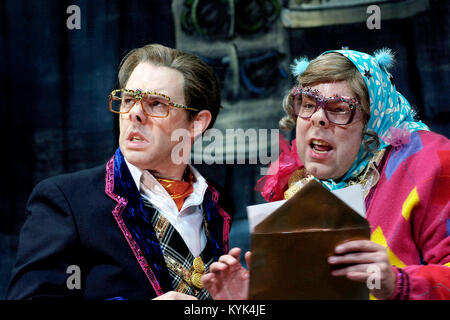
{"x": 199, "y": 186}
{"x": 136, "y": 173}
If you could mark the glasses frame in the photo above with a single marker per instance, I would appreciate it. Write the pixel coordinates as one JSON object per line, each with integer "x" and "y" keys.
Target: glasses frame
{"x": 322, "y": 102}
{"x": 139, "y": 95}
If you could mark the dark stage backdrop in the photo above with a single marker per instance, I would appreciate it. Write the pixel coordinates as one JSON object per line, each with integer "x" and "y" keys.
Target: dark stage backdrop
{"x": 55, "y": 81}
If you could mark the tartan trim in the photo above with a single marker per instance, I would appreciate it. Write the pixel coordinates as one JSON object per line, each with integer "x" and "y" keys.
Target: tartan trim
{"x": 173, "y": 246}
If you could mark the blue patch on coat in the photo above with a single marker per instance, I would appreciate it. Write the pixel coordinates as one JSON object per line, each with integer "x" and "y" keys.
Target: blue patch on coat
{"x": 400, "y": 155}
{"x": 448, "y": 227}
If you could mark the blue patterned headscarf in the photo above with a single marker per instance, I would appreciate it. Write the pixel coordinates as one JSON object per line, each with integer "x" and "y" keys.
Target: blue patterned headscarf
{"x": 388, "y": 108}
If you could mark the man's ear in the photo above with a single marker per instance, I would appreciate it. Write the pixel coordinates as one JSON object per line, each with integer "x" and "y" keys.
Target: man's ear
{"x": 200, "y": 123}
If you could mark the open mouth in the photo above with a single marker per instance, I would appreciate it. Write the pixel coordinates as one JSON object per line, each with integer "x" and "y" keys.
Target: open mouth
{"x": 136, "y": 137}
{"x": 320, "y": 146}
{"x": 136, "y": 141}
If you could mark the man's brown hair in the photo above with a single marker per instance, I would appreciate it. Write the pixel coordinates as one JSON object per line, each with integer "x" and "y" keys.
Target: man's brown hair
{"x": 201, "y": 87}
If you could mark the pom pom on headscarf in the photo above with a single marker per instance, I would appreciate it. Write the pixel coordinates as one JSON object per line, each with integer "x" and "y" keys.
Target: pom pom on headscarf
{"x": 397, "y": 136}
{"x": 384, "y": 57}
{"x": 299, "y": 66}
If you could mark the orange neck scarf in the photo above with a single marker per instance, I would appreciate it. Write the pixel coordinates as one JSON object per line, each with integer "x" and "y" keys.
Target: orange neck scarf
{"x": 179, "y": 190}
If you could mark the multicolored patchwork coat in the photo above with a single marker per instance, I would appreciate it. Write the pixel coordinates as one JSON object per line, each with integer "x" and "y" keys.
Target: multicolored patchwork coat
{"x": 408, "y": 210}
{"x": 409, "y": 214}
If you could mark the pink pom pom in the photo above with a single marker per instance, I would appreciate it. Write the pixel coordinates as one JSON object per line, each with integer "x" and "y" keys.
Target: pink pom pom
{"x": 273, "y": 185}
{"x": 397, "y": 136}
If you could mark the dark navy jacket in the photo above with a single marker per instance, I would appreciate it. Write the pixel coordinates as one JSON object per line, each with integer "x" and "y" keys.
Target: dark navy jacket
{"x": 88, "y": 219}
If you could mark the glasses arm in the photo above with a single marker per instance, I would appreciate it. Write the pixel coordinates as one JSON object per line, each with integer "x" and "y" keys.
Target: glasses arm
{"x": 177, "y": 105}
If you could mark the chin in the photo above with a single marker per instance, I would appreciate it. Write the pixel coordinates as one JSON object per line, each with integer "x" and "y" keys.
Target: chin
{"x": 134, "y": 157}
{"x": 322, "y": 172}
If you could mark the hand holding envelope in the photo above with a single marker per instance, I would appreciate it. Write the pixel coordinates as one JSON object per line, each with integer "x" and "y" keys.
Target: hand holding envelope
{"x": 291, "y": 246}
{"x": 302, "y": 246}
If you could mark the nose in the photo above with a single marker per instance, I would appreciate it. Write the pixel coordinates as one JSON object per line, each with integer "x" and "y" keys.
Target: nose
{"x": 137, "y": 114}
{"x": 319, "y": 117}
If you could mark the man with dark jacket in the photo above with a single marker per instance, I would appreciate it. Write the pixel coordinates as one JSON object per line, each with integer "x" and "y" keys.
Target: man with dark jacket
{"x": 146, "y": 224}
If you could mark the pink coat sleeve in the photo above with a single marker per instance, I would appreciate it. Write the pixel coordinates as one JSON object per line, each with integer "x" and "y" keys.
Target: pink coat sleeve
{"x": 410, "y": 215}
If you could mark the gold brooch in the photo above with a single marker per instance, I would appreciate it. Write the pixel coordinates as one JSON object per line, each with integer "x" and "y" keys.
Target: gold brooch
{"x": 199, "y": 269}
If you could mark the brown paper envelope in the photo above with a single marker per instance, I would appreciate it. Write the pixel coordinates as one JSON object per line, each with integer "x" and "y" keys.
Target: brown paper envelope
{"x": 291, "y": 246}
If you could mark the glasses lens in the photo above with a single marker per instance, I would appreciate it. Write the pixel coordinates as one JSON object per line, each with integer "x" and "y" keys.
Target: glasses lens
{"x": 121, "y": 101}
{"x": 155, "y": 105}
{"x": 339, "y": 112}
{"x": 304, "y": 105}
